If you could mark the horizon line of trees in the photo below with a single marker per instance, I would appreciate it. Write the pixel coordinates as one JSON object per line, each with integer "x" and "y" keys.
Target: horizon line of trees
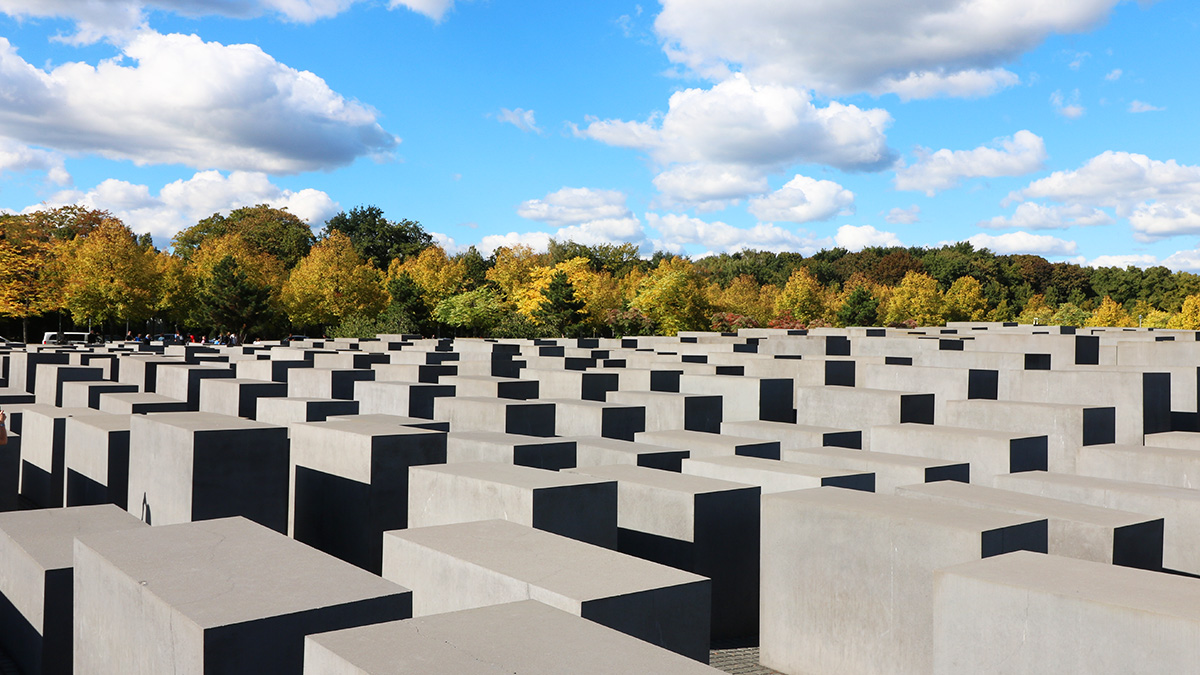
{"x": 262, "y": 271}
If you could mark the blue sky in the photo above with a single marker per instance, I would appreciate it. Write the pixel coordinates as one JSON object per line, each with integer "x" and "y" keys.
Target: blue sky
{"x": 1060, "y": 128}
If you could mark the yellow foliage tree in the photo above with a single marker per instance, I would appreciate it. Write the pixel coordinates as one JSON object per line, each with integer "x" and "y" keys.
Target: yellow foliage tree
{"x": 673, "y": 296}
{"x": 916, "y": 299}
{"x": 804, "y": 298}
{"x": 28, "y": 283}
{"x": 745, "y": 296}
{"x": 1037, "y": 310}
{"x": 261, "y": 268}
{"x": 514, "y": 268}
{"x": 598, "y": 291}
{"x": 1110, "y": 313}
{"x": 1188, "y": 317}
{"x": 331, "y": 283}
{"x": 107, "y": 275}
{"x": 964, "y": 300}
{"x": 437, "y": 275}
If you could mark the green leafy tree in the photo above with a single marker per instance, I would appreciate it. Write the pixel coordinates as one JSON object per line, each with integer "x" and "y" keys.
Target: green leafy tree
{"x": 804, "y": 298}
{"x": 861, "y": 308}
{"x": 408, "y": 306}
{"x": 560, "y": 309}
{"x": 277, "y": 232}
{"x": 1070, "y": 314}
{"x": 477, "y": 312}
{"x": 231, "y": 300}
{"x": 379, "y": 240}
{"x": 475, "y": 268}
{"x": 673, "y": 296}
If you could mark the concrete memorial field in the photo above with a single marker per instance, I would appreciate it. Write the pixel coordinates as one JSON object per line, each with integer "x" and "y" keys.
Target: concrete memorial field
{"x": 979, "y": 497}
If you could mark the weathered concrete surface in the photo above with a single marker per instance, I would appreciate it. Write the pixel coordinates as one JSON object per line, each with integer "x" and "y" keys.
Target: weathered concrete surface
{"x": 453, "y": 567}
{"x": 1024, "y": 613}
{"x": 218, "y": 596}
{"x": 97, "y": 460}
{"x": 516, "y": 637}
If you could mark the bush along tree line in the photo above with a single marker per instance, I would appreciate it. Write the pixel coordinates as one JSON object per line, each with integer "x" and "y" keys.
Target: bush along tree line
{"x": 262, "y": 272}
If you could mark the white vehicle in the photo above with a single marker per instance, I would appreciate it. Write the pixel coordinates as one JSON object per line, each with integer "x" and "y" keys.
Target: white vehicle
{"x": 64, "y": 338}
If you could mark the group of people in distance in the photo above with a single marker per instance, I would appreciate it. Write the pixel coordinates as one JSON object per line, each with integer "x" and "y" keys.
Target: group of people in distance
{"x": 230, "y": 339}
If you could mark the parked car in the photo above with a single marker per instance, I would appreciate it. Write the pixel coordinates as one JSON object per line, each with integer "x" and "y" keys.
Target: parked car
{"x": 65, "y": 338}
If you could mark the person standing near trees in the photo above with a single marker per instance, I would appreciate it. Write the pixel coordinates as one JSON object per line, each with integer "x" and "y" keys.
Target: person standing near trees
{"x": 3, "y": 428}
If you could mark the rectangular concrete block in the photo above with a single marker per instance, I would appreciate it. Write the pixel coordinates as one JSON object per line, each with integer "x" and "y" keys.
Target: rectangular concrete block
{"x": 487, "y": 386}
{"x": 181, "y": 381}
{"x": 87, "y": 394}
{"x": 701, "y": 444}
{"x": 599, "y": 451}
{"x": 858, "y": 408}
{"x": 891, "y": 470}
{"x": 413, "y": 399}
{"x": 268, "y": 370}
{"x": 795, "y": 435}
{"x": 667, "y": 410}
{"x": 701, "y": 525}
{"x": 1066, "y": 426}
{"x": 847, "y": 576}
{"x": 10, "y": 472}
{"x": 489, "y": 562}
{"x": 219, "y": 596}
{"x": 193, "y": 466}
{"x": 97, "y": 460}
{"x": 575, "y": 506}
{"x": 1140, "y": 463}
{"x": 349, "y": 483}
{"x": 990, "y": 453}
{"x": 326, "y": 382}
{"x": 52, "y": 376}
{"x": 36, "y": 586}
{"x": 555, "y": 382}
{"x": 284, "y": 411}
{"x": 533, "y": 451}
{"x": 393, "y": 420}
{"x": 515, "y": 637}
{"x": 237, "y": 397}
{"x": 477, "y": 413}
{"x": 139, "y": 403}
{"x": 777, "y": 476}
{"x": 1024, "y": 612}
{"x": 1074, "y": 530}
{"x": 746, "y": 398}
{"x": 574, "y": 417}
{"x": 43, "y": 447}
{"x": 1178, "y": 507}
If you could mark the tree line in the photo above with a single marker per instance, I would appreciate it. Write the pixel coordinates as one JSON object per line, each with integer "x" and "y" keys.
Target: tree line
{"x": 263, "y": 272}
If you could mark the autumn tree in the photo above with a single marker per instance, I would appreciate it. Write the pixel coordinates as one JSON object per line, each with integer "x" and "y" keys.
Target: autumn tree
{"x": 1188, "y": 317}
{"x": 744, "y": 296}
{"x": 436, "y": 274}
{"x": 673, "y": 297}
{"x": 379, "y": 240}
{"x": 1037, "y": 310}
{"x": 109, "y": 276}
{"x": 477, "y": 311}
{"x": 1110, "y": 313}
{"x": 803, "y": 298}
{"x": 29, "y": 285}
{"x": 964, "y": 300}
{"x": 276, "y": 232}
{"x": 331, "y": 283}
{"x": 916, "y": 299}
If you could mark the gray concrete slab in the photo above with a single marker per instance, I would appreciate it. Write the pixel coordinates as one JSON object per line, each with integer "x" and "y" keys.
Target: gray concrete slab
{"x": 453, "y": 567}
{"x": 37, "y": 584}
{"x": 181, "y": 381}
{"x": 794, "y": 435}
{"x": 1007, "y": 614}
{"x": 96, "y": 457}
{"x": 867, "y": 585}
{"x": 193, "y": 466}
{"x": 1178, "y": 467}
{"x": 238, "y": 397}
{"x": 395, "y": 420}
{"x": 43, "y": 447}
{"x": 667, "y": 410}
{"x": 350, "y": 481}
{"x": 777, "y": 476}
{"x": 219, "y": 596}
{"x": 284, "y": 411}
{"x": 326, "y": 382}
{"x": 487, "y": 446}
{"x": 51, "y": 377}
{"x": 574, "y": 417}
{"x": 1074, "y": 530}
{"x": 576, "y": 506}
{"x": 414, "y": 399}
{"x": 1066, "y": 426}
{"x": 990, "y": 453}
{"x": 701, "y": 444}
{"x": 701, "y": 525}
{"x": 516, "y": 637}
{"x": 87, "y": 394}
{"x": 599, "y": 451}
{"x": 478, "y": 413}
{"x": 891, "y": 470}
{"x": 140, "y": 403}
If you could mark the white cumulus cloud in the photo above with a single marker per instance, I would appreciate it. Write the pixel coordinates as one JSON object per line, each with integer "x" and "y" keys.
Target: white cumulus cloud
{"x": 1141, "y": 107}
{"x": 676, "y": 231}
{"x": 1067, "y": 107}
{"x": 1024, "y": 242}
{"x": 1023, "y": 152}
{"x": 1159, "y": 198}
{"x": 1035, "y": 216}
{"x": 868, "y": 45}
{"x": 175, "y": 99}
{"x": 572, "y": 206}
{"x": 1123, "y": 261}
{"x": 183, "y": 203}
{"x": 709, "y": 186}
{"x": 803, "y": 199}
{"x": 17, "y": 158}
{"x": 902, "y": 216}
{"x": 858, "y": 237}
{"x": 434, "y": 9}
